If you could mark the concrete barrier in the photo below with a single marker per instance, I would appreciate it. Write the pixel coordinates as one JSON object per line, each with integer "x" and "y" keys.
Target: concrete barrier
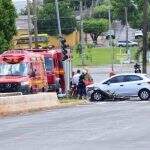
{"x": 26, "y": 103}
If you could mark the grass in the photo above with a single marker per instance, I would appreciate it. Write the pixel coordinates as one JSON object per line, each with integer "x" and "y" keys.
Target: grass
{"x": 101, "y": 56}
{"x": 65, "y": 101}
{"x": 71, "y": 102}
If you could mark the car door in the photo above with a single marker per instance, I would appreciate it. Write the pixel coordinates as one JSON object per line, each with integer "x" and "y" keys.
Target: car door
{"x": 114, "y": 85}
{"x": 49, "y": 66}
{"x": 131, "y": 85}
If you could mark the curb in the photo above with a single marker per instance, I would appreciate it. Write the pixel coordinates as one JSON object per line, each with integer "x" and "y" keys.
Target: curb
{"x": 33, "y": 111}
{"x": 27, "y": 103}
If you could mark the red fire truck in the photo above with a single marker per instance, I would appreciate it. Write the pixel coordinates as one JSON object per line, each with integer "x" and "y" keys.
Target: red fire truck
{"x": 22, "y": 71}
{"x": 54, "y": 68}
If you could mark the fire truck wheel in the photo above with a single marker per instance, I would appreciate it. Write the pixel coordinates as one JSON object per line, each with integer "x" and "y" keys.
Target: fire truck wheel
{"x": 26, "y": 91}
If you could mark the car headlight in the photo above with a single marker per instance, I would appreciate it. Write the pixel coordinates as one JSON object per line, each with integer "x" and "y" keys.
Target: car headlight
{"x": 89, "y": 89}
{"x": 25, "y": 83}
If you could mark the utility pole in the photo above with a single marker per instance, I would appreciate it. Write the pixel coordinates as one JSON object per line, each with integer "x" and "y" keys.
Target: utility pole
{"x": 127, "y": 35}
{"x": 58, "y": 18}
{"x": 29, "y": 24}
{"x": 91, "y": 9}
{"x": 110, "y": 40}
{"x": 35, "y": 23}
{"x": 145, "y": 30}
{"x": 67, "y": 63}
{"x": 81, "y": 31}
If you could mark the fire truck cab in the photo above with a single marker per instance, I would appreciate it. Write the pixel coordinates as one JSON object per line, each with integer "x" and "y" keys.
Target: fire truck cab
{"x": 54, "y": 68}
{"x": 22, "y": 71}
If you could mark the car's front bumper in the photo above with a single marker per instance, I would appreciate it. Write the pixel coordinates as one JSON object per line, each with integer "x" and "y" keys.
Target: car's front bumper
{"x": 106, "y": 95}
{"x": 89, "y": 92}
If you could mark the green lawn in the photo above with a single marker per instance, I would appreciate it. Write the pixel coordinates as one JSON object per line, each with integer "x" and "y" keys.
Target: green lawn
{"x": 101, "y": 56}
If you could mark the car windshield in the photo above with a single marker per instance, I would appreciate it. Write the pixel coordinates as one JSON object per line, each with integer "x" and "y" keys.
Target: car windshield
{"x": 14, "y": 69}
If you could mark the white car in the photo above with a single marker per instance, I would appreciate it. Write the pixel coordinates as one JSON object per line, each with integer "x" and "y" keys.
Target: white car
{"x": 124, "y": 43}
{"x": 128, "y": 84}
{"x": 110, "y": 33}
{"x": 138, "y": 34}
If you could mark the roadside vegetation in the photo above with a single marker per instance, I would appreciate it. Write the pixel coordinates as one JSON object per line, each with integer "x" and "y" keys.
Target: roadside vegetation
{"x": 7, "y": 24}
{"x": 101, "y": 56}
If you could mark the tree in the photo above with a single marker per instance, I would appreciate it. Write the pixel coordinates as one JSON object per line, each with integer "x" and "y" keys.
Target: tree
{"x": 7, "y": 23}
{"x": 101, "y": 11}
{"x": 3, "y": 42}
{"x": 86, "y": 3}
{"x": 47, "y": 20}
{"x": 95, "y": 27}
{"x": 134, "y": 7}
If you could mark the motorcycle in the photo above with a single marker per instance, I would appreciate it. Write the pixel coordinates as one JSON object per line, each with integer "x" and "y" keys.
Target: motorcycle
{"x": 137, "y": 68}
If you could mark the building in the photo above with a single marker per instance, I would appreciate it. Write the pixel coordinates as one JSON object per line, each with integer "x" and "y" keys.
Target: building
{"x": 22, "y": 34}
{"x": 22, "y": 25}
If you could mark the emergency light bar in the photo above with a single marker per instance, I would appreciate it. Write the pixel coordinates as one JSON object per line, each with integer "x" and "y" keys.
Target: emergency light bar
{"x": 13, "y": 59}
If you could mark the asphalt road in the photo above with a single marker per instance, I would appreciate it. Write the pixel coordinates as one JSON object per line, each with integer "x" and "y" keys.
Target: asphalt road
{"x": 100, "y": 126}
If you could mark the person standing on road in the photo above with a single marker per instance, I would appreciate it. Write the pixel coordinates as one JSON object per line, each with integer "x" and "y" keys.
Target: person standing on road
{"x": 81, "y": 85}
{"x": 75, "y": 78}
{"x": 74, "y": 84}
{"x": 137, "y": 68}
{"x": 88, "y": 78}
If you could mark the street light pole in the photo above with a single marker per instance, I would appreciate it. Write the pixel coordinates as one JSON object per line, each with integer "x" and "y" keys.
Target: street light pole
{"x": 145, "y": 30}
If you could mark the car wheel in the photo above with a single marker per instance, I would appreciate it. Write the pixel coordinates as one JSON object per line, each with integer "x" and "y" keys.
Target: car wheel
{"x": 31, "y": 91}
{"x": 144, "y": 94}
{"x": 26, "y": 91}
{"x": 97, "y": 96}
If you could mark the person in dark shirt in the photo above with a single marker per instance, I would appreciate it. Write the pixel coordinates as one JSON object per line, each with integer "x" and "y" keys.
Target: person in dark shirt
{"x": 137, "y": 68}
{"x": 82, "y": 86}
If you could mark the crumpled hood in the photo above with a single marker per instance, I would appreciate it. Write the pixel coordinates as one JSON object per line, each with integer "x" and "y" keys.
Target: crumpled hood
{"x": 93, "y": 85}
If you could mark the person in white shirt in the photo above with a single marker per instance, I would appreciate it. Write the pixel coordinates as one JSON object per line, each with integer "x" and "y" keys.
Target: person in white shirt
{"x": 75, "y": 78}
